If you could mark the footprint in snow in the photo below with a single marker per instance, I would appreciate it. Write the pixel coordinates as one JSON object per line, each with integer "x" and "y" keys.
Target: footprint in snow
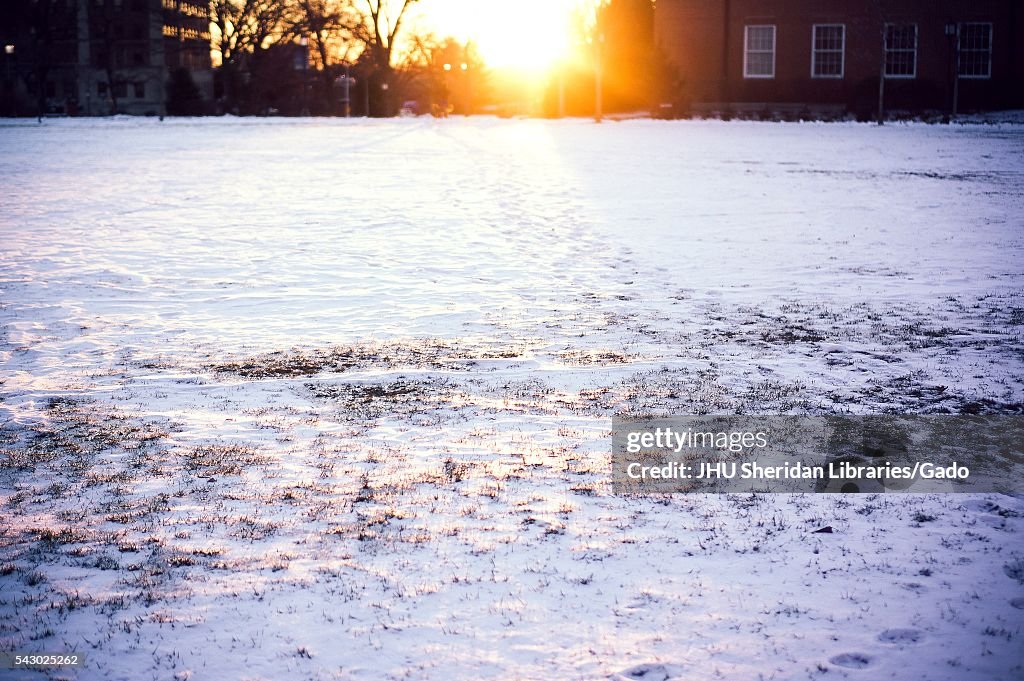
{"x": 650, "y": 671}
{"x": 1018, "y": 602}
{"x": 900, "y": 636}
{"x": 980, "y": 506}
{"x": 852, "y": 660}
{"x": 1015, "y": 570}
{"x": 990, "y": 508}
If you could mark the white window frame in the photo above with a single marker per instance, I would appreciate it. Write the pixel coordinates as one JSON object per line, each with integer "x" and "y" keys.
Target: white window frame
{"x": 815, "y": 51}
{"x": 746, "y": 51}
{"x": 960, "y": 51}
{"x": 917, "y": 42}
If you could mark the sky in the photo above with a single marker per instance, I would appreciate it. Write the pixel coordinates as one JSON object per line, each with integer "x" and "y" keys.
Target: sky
{"x": 498, "y": 29}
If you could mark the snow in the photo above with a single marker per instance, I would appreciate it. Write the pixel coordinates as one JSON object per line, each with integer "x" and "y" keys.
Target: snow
{"x": 328, "y": 399}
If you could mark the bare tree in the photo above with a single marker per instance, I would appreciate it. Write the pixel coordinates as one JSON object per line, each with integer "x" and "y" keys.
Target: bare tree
{"x": 324, "y": 24}
{"x": 225, "y": 19}
{"x": 335, "y": 31}
{"x": 377, "y": 25}
{"x": 242, "y": 29}
{"x": 449, "y": 74}
{"x": 242, "y": 26}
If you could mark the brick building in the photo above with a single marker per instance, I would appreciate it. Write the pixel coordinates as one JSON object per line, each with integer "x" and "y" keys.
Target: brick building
{"x": 830, "y": 56}
{"x": 96, "y": 57}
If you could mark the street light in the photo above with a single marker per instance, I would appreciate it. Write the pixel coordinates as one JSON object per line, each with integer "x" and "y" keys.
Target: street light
{"x": 8, "y": 63}
{"x": 467, "y": 84}
{"x": 561, "y": 89}
{"x": 598, "y": 78}
{"x": 446, "y": 92}
{"x": 953, "y": 33}
{"x": 465, "y": 88}
{"x": 346, "y": 99}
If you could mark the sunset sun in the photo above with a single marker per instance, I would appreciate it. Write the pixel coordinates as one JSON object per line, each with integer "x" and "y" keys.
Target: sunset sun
{"x": 528, "y": 35}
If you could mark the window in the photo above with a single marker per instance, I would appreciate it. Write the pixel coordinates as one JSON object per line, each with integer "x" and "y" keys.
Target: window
{"x": 900, "y": 50}
{"x": 140, "y": 90}
{"x": 827, "y": 51}
{"x": 759, "y": 52}
{"x": 975, "y": 50}
{"x": 101, "y": 89}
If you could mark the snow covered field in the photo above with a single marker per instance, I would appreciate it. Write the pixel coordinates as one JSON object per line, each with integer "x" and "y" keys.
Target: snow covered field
{"x": 331, "y": 399}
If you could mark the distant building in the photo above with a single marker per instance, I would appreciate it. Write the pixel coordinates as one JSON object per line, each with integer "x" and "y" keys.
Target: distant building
{"x": 97, "y": 57}
{"x": 777, "y": 54}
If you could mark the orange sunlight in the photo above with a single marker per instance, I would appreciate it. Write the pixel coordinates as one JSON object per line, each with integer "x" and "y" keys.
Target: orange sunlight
{"x": 526, "y": 35}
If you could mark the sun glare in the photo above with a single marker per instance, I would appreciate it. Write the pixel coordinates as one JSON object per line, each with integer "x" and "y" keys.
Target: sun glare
{"x": 527, "y": 35}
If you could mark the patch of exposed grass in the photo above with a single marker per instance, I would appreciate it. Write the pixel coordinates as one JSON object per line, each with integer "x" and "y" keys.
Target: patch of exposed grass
{"x": 594, "y": 357}
{"x": 221, "y": 459}
{"x": 394, "y": 399}
{"x": 420, "y": 353}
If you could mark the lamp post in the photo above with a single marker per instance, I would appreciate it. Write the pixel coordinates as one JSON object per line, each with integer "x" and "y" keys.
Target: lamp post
{"x": 8, "y": 59}
{"x": 8, "y": 77}
{"x": 561, "y": 90}
{"x": 881, "y": 76}
{"x": 447, "y": 90}
{"x": 302, "y": 64}
{"x": 445, "y": 107}
{"x": 346, "y": 92}
{"x": 346, "y": 82}
{"x": 599, "y": 78}
{"x": 953, "y": 34}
